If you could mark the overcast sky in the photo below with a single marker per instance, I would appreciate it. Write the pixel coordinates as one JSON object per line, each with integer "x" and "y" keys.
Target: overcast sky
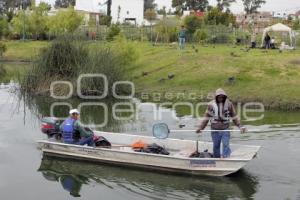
{"x": 289, "y": 6}
{"x": 271, "y": 5}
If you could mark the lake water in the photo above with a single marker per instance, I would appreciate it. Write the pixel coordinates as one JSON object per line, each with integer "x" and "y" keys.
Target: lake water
{"x": 25, "y": 174}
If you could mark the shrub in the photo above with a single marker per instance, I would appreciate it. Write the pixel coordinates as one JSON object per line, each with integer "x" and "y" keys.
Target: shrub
{"x": 192, "y": 23}
{"x": 18, "y": 23}
{"x": 243, "y": 37}
{"x": 38, "y": 21}
{"x": 113, "y": 32}
{"x": 168, "y": 29}
{"x": 3, "y": 48}
{"x": 125, "y": 50}
{"x": 105, "y": 20}
{"x": 221, "y": 38}
{"x": 201, "y": 35}
{"x": 296, "y": 24}
{"x": 4, "y": 30}
{"x": 65, "y": 21}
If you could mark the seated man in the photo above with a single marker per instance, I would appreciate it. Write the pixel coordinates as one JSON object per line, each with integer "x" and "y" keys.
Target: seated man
{"x": 272, "y": 43}
{"x": 72, "y": 125}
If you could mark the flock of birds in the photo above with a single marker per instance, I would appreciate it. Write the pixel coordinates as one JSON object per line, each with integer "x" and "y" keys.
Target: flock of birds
{"x": 230, "y": 80}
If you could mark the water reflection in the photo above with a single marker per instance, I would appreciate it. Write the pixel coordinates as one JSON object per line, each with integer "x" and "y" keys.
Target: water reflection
{"x": 72, "y": 175}
{"x": 142, "y": 115}
{"x": 91, "y": 114}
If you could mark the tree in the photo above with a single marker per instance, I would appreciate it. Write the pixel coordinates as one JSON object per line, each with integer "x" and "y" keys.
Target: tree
{"x": 215, "y": 16}
{"x": 64, "y": 3}
{"x": 65, "y": 21}
{"x": 4, "y": 30}
{"x": 182, "y": 5}
{"x": 192, "y": 23}
{"x": 20, "y": 23}
{"x": 2, "y": 7}
{"x": 251, "y": 6}
{"x": 162, "y": 11}
{"x": 38, "y": 19}
{"x": 17, "y": 3}
{"x": 179, "y": 6}
{"x": 149, "y": 4}
{"x": 224, "y": 4}
{"x": 200, "y": 5}
{"x": 296, "y": 24}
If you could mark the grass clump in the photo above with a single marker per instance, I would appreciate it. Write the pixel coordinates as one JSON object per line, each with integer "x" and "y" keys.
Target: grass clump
{"x": 63, "y": 58}
{"x": 68, "y": 57}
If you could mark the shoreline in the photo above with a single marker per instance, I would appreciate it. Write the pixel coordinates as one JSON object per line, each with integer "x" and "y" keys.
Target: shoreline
{"x": 15, "y": 62}
{"x": 270, "y": 106}
{"x": 271, "y": 78}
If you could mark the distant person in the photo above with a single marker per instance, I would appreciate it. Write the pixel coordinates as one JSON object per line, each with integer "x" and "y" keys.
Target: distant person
{"x": 272, "y": 43}
{"x": 219, "y": 112}
{"x": 267, "y": 40}
{"x": 94, "y": 35}
{"x": 253, "y": 40}
{"x": 71, "y": 126}
{"x": 182, "y": 37}
{"x": 87, "y": 34}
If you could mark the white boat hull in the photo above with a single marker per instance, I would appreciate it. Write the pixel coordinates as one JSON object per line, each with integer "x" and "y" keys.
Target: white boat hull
{"x": 177, "y": 162}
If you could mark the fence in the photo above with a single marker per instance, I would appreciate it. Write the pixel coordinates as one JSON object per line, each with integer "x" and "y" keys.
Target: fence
{"x": 216, "y": 34}
{"x": 130, "y": 32}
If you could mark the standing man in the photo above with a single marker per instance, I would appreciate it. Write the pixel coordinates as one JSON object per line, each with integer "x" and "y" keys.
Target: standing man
{"x": 71, "y": 126}
{"x": 219, "y": 113}
{"x": 182, "y": 37}
{"x": 267, "y": 41}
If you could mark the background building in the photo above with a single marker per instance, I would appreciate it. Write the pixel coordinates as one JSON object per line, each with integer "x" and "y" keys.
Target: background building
{"x": 258, "y": 20}
{"x": 122, "y": 11}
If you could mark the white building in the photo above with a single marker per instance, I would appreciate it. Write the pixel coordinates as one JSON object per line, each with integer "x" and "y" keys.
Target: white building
{"x": 280, "y": 15}
{"x": 91, "y": 9}
{"x": 93, "y": 6}
{"x": 127, "y": 11}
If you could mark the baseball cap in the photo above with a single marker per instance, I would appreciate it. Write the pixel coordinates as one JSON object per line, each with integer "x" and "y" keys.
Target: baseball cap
{"x": 74, "y": 111}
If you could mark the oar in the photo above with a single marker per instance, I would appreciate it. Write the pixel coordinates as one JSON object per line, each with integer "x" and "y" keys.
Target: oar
{"x": 229, "y": 130}
{"x": 162, "y": 131}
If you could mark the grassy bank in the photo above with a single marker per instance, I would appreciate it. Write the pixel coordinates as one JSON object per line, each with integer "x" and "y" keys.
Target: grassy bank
{"x": 22, "y": 51}
{"x": 270, "y": 77}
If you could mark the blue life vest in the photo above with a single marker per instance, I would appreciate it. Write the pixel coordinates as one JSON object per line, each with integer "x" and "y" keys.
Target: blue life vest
{"x": 68, "y": 130}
